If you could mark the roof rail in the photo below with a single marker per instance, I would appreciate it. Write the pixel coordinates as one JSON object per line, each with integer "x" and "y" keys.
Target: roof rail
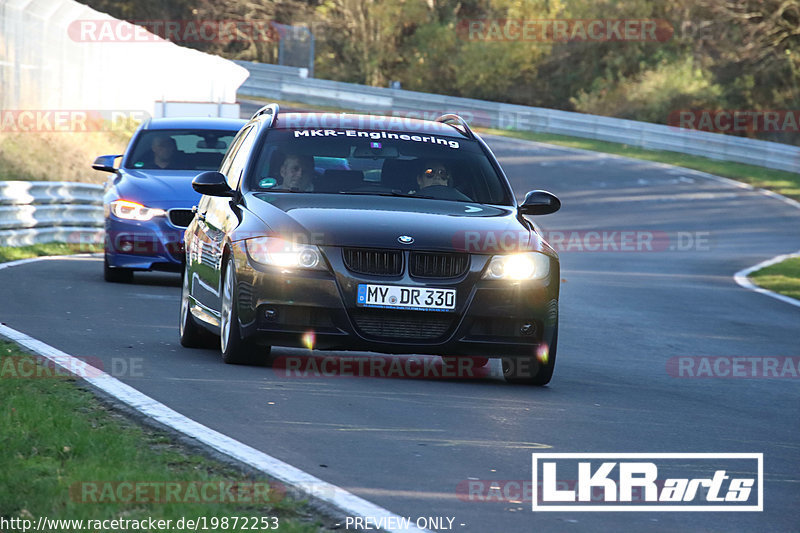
{"x": 455, "y": 120}
{"x": 269, "y": 109}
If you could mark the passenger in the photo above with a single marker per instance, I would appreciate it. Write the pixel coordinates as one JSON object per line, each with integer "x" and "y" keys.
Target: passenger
{"x": 297, "y": 172}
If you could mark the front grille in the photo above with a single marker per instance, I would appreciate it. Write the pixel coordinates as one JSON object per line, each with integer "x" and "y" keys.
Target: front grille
{"x": 181, "y": 217}
{"x": 419, "y": 325}
{"x": 375, "y": 262}
{"x": 438, "y": 265}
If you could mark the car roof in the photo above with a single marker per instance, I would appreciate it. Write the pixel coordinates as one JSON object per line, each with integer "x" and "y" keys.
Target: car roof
{"x": 200, "y": 123}
{"x": 389, "y": 123}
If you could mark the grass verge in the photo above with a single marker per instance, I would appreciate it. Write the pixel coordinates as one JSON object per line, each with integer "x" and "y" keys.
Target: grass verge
{"x": 14, "y": 253}
{"x": 783, "y": 277}
{"x": 68, "y": 456}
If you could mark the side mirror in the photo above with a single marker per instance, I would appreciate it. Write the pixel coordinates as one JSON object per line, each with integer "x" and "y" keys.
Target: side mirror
{"x": 105, "y": 163}
{"x": 539, "y": 203}
{"x": 212, "y": 183}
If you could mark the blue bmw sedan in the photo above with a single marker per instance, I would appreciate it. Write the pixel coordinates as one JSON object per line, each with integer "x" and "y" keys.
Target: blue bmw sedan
{"x": 148, "y": 201}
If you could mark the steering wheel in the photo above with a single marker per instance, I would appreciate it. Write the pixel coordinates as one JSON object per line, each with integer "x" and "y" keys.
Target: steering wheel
{"x": 443, "y": 192}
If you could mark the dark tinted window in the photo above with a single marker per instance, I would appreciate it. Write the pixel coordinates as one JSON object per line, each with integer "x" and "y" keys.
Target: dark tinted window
{"x": 239, "y": 161}
{"x": 180, "y": 149}
{"x": 377, "y": 162}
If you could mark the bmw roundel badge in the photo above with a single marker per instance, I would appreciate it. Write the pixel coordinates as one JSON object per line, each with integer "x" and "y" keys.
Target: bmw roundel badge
{"x": 405, "y": 239}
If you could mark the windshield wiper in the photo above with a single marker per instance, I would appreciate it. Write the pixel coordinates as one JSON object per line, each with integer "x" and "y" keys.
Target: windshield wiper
{"x": 295, "y": 189}
{"x": 387, "y": 193}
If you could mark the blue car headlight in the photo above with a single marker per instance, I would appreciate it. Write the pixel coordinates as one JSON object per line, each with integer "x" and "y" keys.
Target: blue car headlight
{"x": 277, "y": 252}
{"x": 127, "y": 210}
{"x": 518, "y": 267}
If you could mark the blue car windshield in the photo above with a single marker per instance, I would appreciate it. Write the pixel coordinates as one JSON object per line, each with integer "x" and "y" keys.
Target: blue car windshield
{"x": 360, "y": 162}
{"x": 179, "y": 149}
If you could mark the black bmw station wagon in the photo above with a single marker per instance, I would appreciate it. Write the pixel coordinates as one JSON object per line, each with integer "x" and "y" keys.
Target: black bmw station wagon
{"x": 361, "y": 232}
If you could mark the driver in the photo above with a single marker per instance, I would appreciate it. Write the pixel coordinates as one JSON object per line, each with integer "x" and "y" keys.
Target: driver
{"x": 164, "y": 151}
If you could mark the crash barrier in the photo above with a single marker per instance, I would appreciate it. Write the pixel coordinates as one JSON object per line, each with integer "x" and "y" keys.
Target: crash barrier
{"x": 288, "y": 83}
{"x": 33, "y": 212}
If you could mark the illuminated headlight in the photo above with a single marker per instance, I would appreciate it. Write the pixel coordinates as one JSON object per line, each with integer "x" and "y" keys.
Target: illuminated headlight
{"x": 132, "y": 211}
{"x": 524, "y": 266}
{"x": 274, "y": 251}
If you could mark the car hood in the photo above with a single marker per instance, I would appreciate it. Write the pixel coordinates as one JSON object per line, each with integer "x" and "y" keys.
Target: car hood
{"x": 158, "y": 188}
{"x": 379, "y": 221}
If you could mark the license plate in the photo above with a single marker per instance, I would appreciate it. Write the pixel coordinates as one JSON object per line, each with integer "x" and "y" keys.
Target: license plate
{"x": 412, "y": 298}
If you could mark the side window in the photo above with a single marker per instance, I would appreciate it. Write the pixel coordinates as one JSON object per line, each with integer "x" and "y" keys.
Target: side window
{"x": 225, "y": 166}
{"x": 234, "y": 173}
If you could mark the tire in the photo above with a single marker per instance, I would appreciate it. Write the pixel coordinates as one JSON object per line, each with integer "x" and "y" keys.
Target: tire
{"x": 191, "y": 334}
{"x": 518, "y": 369}
{"x": 235, "y": 349}
{"x": 115, "y": 274}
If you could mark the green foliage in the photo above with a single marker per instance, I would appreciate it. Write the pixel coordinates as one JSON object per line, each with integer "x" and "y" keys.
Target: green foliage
{"x": 13, "y": 253}
{"x": 652, "y": 95}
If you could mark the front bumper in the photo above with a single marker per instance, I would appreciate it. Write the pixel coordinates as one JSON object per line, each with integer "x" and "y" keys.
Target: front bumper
{"x": 315, "y": 309}
{"x": 151, "y": 245}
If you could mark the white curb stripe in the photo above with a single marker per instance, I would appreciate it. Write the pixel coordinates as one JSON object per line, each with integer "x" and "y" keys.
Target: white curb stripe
{"x": 347, "y": 503}
{"x": 742, "y": 279}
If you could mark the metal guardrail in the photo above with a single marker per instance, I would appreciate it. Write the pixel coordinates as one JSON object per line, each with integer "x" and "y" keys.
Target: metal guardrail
{"x": 33, "y": 212}
{"x": 286, "y": 83}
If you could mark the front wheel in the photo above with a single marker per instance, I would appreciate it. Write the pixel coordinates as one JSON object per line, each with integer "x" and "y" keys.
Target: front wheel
{"x": 191, "y": 335}
{"x": 235, "y": 349}
{"x": 532, "y": 370}
{"x": 115, "y": 274}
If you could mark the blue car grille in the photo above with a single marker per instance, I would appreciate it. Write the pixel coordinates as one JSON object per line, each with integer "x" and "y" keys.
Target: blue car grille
{"x": 181, "y": 217}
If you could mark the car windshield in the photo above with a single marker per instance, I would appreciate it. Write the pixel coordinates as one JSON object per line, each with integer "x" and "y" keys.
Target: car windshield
{"x": 391, "y": 163}
{"x": 179, "y": 149}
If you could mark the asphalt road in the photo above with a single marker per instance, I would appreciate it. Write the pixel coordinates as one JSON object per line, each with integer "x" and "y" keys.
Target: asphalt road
{"x": 409, "y": 444}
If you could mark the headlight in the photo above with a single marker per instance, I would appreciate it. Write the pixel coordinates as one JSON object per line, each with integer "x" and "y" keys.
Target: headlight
{"x": 133, "y": 211}
{"x": 532, "y": 265}
{"x": 277, "y": 252}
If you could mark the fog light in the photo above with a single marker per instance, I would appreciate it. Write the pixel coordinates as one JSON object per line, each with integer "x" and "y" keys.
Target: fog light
{"x": 270, "y": 314}
{"x": 126, "y": 246}
{"x": 527, "y": 329}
